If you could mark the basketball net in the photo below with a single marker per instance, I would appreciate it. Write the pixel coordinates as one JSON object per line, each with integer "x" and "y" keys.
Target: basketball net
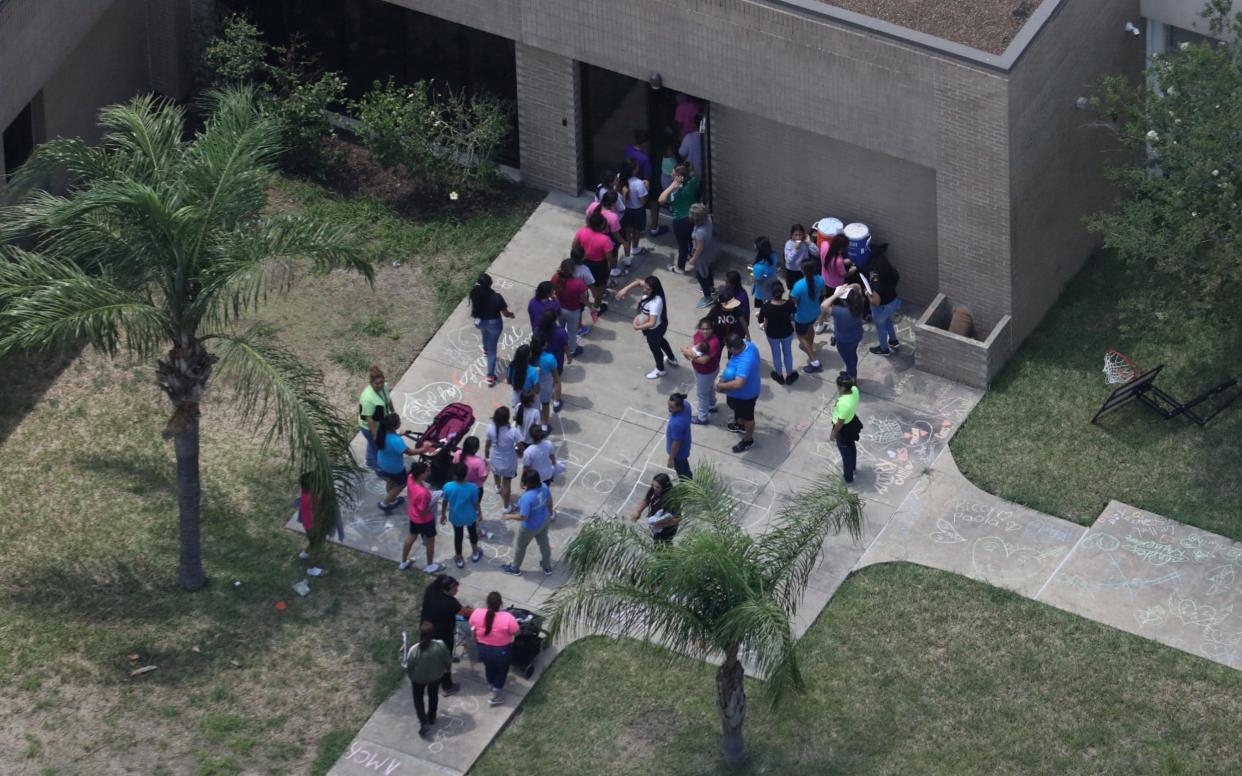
{"x": 1118, "y": 367}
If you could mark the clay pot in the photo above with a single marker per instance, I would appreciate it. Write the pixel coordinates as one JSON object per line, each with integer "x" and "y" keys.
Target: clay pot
{"x": 962, "y": 323}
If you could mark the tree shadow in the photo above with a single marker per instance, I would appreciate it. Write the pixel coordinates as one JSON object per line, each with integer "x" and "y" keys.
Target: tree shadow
{"x": 25, "y": 378}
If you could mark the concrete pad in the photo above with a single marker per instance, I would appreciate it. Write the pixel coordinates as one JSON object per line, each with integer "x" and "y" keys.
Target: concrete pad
{"x": 1156, "y": 578}
{"x": 947, "y": 523}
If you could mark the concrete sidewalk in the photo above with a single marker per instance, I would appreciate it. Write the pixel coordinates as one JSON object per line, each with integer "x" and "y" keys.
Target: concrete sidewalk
{"x": 918, "y": 508}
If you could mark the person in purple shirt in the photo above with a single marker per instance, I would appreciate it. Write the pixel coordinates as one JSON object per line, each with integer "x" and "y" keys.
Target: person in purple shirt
{"x": 740, "y": 382}
{"x": 634, "y": 152}
{"x": 544, "y": 299}
{"x": 677, "y": 435}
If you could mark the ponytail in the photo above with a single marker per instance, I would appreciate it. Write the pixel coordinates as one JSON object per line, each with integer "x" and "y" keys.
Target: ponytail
{"x": 482, "y": 287}
{"x": 425, "y": 633}
{"x": 493, "y": 606}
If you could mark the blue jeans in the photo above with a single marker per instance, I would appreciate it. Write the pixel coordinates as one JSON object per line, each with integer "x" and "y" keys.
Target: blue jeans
{"x": 882, "y": 316}
{"x": 496, "y": 662}
{"x": 372, "y": 464}
{"x": 782, "y": 353}
{"x": 491, "y": 340}
{"x": 849, "y": 355}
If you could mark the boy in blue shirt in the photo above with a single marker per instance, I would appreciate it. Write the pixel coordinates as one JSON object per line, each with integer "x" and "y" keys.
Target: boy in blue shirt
{"x": 740, "y": 383}
{"x": 677, "y": 435}
{"x": 461, "y": 508}
{"x": 533, "y": 513}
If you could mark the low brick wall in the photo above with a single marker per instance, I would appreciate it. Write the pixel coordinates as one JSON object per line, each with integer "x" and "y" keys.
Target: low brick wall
{"x": 961, "y": 359}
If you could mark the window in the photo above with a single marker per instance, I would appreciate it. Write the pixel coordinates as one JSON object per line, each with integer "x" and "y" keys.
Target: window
{"x": 18, "y": 141}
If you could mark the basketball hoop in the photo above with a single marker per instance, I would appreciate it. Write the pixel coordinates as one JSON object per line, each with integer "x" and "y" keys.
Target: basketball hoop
{"x": 1118, "y": 367}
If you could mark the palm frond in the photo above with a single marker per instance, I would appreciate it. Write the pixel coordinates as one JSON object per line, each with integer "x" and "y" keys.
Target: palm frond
{"x": 82, "y": 161}
{"x": 621, "y": 608}
{"x": 706, "y": 498}
{"x": 49, "y": 302}
{"x": 143, "y": 137}
{"x": 606, "y": 549}
{"x": 764, "y": 631}
{"x": 788, "y": 551}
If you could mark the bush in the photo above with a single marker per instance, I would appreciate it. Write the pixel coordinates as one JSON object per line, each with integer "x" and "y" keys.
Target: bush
{"x": 296, "y": 97}
{"x": 444, "y": 139}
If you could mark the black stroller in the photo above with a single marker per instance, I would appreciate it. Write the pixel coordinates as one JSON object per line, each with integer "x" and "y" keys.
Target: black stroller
{"x": 529, "y": 642}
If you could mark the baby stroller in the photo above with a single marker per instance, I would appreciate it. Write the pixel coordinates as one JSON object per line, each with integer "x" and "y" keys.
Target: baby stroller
{"x": 449, "y": 426}
{"x": 529, "y": 642}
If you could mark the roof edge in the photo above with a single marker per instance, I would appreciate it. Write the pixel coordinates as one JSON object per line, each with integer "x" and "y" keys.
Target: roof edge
{"x": 1002, "y": 62}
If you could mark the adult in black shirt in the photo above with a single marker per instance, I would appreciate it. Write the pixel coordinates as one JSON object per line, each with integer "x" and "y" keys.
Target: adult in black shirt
{"x": 776, "y": 320}
{"x": 487, "y": 307}
{"x": 884, "y": 304}
{"x": 440, "y": 608}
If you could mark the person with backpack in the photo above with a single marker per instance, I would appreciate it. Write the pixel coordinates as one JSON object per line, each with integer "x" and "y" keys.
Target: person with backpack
{"x": 422, "y": 519}
{"x": 501, "y": 450}
{"x": 460, "y": 506}
{"x": 488, "y": 308}
{"x": 846, "y": 426}
{"x": 426, "y": 663}
{"x": 441, "y": 608}
{"x": 373, "y": 404}
{"x": 494, "y": 631}
{"x": 534, "y": 512}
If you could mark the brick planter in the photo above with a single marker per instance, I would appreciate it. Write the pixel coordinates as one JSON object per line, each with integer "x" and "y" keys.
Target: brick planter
{"x": 967, "y": 360}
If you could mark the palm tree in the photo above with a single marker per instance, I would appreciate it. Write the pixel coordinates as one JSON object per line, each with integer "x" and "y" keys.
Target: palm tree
{"x": 160, "y": 243}
{"x": 714, "y": 592}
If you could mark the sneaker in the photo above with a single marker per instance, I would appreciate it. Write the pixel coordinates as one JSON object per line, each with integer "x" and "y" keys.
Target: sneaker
{"x": 879, "y": 351}
{"x": 508, "y": 568}
{"x": 613, "y": 282}
{"x": 671, "y": 362}
{"x": 303, "y": 555}
{"x": 603, "y": 308}
{"x": 832, "y": 341}
{"x": 893, "y": 343}
{"x": 432, "y": 568}
{"x": 775, "y": 375}
{"x": 547, "y": 572}
{"x": 673, "y": 268}
{"x": 704, "y": 302}
{"x": 582, "y": 332}
{"x": 696, "y": 420}
{"x": 659, "y": 230}
{"x": 556, "y": 405}
{"x": 315, "y": 571}
{"x": 476, "y": 556}
{"x": 615, "y": 272}
{"x": 735, "y": 427}
{"x": 713, "y": 408}
{"x": 594, "y": 319}
{"x": 744, "y": 445}
{"x": 512, "y": 509}
{"x": 641, "y": 250}
{"x": 579, "y": 350}
{"x": 486, "y": 534}
{"x": 405, "y": 565}
{"x": 813, "y": 368}
{"x": 459, "y": 562}
{"x": 655, "y": 374}
{"x": 654, "y": 232}
{"x": 495, "y": 699}
{"x": 791, "y": 378}
{"x": 422, "y": 729}
{"x": 388, "y": 508}
{"x": 820, "y": 328}
{"x": 491, "y": 380}
{"x": 552, "y": 516}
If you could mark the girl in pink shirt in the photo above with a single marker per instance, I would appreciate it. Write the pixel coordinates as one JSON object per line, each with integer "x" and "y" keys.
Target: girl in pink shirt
{"x": 476, "y": 469}
{"x": 494, "y": 631}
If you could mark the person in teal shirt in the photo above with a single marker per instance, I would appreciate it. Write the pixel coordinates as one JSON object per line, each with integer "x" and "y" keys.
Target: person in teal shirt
{"x": 461, "y": 508}
{"x": 806, "y": 294}
{"x": 763, "y": 270}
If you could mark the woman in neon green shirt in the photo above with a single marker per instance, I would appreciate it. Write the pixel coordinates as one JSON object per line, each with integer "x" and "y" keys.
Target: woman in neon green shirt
{"x": 845, "y": 424}
{"x": 374, "y": 403}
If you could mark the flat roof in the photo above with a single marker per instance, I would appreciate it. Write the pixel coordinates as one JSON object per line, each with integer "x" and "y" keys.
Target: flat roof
{"x": 987, "y": 25}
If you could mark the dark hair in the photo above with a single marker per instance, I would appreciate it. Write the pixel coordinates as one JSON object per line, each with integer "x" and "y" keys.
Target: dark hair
{"x": 666, "y": 484}
{"x": 606, "y": 181}
{"x": 776, "y": 289}
{"x": 518, "y": 366}
{"x": 563, "y": 274}
{"x": 482, "y": 289}
{"x": 797, "y": 228}
{"x": 656, "y": 291}
{"x": 845, "y": 379}
{"x": 443, "y": 584}
{"x": 809, "y": 271}
{"x": 577, "y": 254}
{"x": 460, "y": 471}
{"x": 537, "y": 344}
{"x": 678, "y": 399}
{"x": 544, "y": 290}
{"x": 425, "y": 633}
{"x": 733, "y": 280}
{"x": 547, "y": 322}
{"x": 854, "y": 301}
{"x": 470, "y": 446}
{"x": 537, "y": 433}
{"x": 418, "y": 468}
{"x": 608, "y": 199}
{"x": 596, "y": 221}
{"x": 713, "y": 320}
{"x": 493, "y": 606}
{"x": 501, "y": 416}
{"x": 390, "y": 422}
{"x": 763, "y": 250}
{"x": 837, "y": 246}
{"x": 530, "y": 477}
{"x": 734, "y": 341}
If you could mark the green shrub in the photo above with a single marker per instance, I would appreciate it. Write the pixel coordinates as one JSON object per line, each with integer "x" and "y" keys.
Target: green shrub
{"x": 445, "y": 140}
{"x": 237, "y": 55}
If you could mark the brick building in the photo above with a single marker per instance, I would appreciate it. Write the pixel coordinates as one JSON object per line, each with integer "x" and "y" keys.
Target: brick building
{"x": 954, "y": 135}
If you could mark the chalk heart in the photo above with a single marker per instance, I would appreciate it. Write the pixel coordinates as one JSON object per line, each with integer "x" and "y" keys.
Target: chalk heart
{"x": 998, "y": 561}
{"x": 421, "y": 406}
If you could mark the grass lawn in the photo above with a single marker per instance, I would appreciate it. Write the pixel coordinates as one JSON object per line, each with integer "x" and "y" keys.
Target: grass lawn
{"x": 88, "y": 539}
{"x": 909, "y": 670}
{"x": 1030, "y": 439}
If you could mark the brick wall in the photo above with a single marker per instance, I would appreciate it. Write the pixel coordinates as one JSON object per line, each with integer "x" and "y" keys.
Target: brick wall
{"x": 962, "y": 359}
{"x": 1056, "y": 159}
{"x": 549, "y": 128}
{"x": 768, "y": 175}
{"x": 168, "y": 46}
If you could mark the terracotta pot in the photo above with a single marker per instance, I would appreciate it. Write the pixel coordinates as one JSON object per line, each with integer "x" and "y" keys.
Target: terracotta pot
{"x": 962, "y": 323}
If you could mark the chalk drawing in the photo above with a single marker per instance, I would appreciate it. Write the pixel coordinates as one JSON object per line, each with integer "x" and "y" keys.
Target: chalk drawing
{"x": 1041, "y": 529}
{"x": 1191, "y": 612}
{"x": 1219, "y": 646}
{"x": 368, "y": 759}
{"x": 1136, "y": 583}
{"x": 1154, "y": 615}
{"x": 1154, "y": 552}
{"x": 1075, "y": 581}
{"x": 993, "y": 515}
{"x": 992, "y": 556}
{"x": 421, "y": 406}
{"x": 946, "y": 533}
{"x": 1222, "y": 579}
{"x": 1101, "y": 541}
{"x": 452, "y": 718}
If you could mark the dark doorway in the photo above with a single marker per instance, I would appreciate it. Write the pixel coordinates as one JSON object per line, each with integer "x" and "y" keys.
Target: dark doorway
{"x": 615, "y": 106}
{"x": 372, "y": 40}
{"x": 19, "y": 141}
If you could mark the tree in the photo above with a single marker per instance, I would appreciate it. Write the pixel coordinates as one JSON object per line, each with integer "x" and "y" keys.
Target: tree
{"x": 1180, "y": 184}
{"x": 162, "y": 242}
{"x": 714, "y": 592}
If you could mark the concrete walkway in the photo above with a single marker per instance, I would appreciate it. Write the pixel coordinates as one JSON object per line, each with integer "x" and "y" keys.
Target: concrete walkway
{"x": 918, "y": 507}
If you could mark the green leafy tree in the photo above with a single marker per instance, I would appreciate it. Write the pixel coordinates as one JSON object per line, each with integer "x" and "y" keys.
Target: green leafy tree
{"x": 1180, "y": 184}
{"x": 444, "y": 139}
{"x": 715, "y": 592}
{"x": 159, "y": 248}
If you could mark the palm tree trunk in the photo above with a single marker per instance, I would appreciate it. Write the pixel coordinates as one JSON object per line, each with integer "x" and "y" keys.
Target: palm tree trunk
{"x": 731, "y": 703}
{"x": 183, "y": 376}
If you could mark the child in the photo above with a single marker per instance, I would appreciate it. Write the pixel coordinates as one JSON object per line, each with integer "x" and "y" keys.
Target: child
{"x": 529, "y": 417}
{"x": 461, "y": 507}
{"x": 540, "y": 456}
{"x": 533, "y": 514}
{"x": 634, "y": 220}
{"x": 305, "y": 503}
{"x": 476, "y": 472}
{"x": 422, "y": 519}
{"x": 501, "y": 450}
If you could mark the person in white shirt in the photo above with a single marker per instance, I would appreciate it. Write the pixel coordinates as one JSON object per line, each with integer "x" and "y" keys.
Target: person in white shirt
{"x": 540, "y": 457}
{"x": 652, "y": 321}
{"x": 797, "y": 250}
{"x": 634, "y": 219}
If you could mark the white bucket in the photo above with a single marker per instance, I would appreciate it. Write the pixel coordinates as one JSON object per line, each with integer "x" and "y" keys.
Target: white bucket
{"x": 828, "y": 227}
